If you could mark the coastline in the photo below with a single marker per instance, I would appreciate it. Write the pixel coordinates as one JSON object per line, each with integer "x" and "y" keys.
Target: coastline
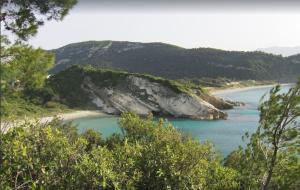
{"x": 96, "y": 113}
{"x": 74, "y": 115}
{"x": 217, "y": 91}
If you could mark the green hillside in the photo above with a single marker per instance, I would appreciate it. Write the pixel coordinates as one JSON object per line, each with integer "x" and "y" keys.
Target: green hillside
{"x": 176, "y": 63}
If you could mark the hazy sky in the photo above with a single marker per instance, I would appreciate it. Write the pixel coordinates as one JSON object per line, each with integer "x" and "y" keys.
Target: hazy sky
{"x": 231, "y": 26}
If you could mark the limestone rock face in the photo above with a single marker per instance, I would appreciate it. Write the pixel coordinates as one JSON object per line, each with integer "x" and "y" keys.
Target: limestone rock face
{"x": 142, "y": 96}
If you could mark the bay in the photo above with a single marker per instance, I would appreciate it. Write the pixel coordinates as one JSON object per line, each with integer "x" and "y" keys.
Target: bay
{"x": 225, "y": 134}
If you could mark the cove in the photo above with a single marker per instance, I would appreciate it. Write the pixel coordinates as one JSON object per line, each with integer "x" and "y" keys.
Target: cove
{"x": 225, "y": 134}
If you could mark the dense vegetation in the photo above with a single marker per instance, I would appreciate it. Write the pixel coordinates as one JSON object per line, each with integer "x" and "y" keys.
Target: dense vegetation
{"x": 23, "y": 69}
{"x": 177, "y": 63}
{"x": 151, "y": 154}
{"x": 295, "y": 58}
{"x": 24, "y": 90}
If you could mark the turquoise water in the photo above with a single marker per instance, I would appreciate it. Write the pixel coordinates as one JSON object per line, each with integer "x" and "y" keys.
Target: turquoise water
{"x": 225, "y": 134}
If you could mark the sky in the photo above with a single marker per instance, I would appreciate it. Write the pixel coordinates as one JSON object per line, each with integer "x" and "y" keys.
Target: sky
{"x": 231, "y": 26}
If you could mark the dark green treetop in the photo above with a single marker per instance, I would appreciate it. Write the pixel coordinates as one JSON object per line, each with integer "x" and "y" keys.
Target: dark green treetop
{"x": 23, "y": 17}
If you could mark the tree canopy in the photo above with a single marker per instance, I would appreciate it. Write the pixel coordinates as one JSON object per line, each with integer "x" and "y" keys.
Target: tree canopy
{"x": 23, "y": 72}
{"x": 23, "y": 17}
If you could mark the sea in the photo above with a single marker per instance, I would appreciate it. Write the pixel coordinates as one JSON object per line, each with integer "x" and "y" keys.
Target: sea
{"x": 226, "y": 135}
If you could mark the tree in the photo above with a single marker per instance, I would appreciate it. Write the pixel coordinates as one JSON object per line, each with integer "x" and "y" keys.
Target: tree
{"x": 23, "y": 17}
{"x": 26, "y": 68}
{"x": 22, "y": 68}
{"x": 279, "y": 129}
{"x": 271, "y": 159}
{"x": 24, "y": 71}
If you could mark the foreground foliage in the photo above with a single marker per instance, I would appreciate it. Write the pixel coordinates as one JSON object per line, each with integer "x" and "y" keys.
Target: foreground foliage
{"x": 149, "y": 155}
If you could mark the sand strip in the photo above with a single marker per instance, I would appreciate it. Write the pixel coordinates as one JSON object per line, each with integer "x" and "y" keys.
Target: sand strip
{"x": 75, "y": 115}
{"x": 240, "y": 89}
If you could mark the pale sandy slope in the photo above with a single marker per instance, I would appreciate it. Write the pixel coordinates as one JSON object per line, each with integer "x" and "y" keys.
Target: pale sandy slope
{"x": 74, "y": 115}
{"x": 239, "y": 89}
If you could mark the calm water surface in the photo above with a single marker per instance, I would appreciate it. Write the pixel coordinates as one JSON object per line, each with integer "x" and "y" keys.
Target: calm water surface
{"x": 225, "y": 134}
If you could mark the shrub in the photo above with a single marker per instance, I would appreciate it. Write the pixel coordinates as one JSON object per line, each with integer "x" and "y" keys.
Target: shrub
{"x": 149, "y": 155}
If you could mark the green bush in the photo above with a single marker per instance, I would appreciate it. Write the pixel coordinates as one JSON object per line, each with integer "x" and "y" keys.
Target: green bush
{"x": 149, "y": 155}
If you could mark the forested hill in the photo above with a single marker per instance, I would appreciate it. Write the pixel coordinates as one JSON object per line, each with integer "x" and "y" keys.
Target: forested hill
{"x": 175, "y": 62}
{"x": 295, "y": 58}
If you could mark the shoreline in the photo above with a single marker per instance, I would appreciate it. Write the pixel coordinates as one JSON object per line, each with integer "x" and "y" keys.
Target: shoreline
{"x": 74, "y": 115}
{"x": 97, "y": 113}
{"x": 217, "y": 92}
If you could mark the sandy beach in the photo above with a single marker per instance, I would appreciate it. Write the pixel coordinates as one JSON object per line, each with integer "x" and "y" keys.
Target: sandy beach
{"x": 239, "y": 89}
{"x": 5, "y": 125}
{"x": 75, "y": 115}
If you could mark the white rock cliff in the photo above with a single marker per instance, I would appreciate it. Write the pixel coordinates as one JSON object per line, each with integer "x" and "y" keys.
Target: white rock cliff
{"x": 142, "y": 96}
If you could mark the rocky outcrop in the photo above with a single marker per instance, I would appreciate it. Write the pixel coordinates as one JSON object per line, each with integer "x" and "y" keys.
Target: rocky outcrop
{"x": 219, "y": 103}
{"x": 142, "y": 96}
{"x": 115, "y": 92}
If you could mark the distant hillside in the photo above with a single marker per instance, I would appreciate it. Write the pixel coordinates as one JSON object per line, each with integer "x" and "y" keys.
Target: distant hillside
{"x": 295, "y": 58}
{"x": 284, "y": 51}
{"x": 175, "y": 62}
